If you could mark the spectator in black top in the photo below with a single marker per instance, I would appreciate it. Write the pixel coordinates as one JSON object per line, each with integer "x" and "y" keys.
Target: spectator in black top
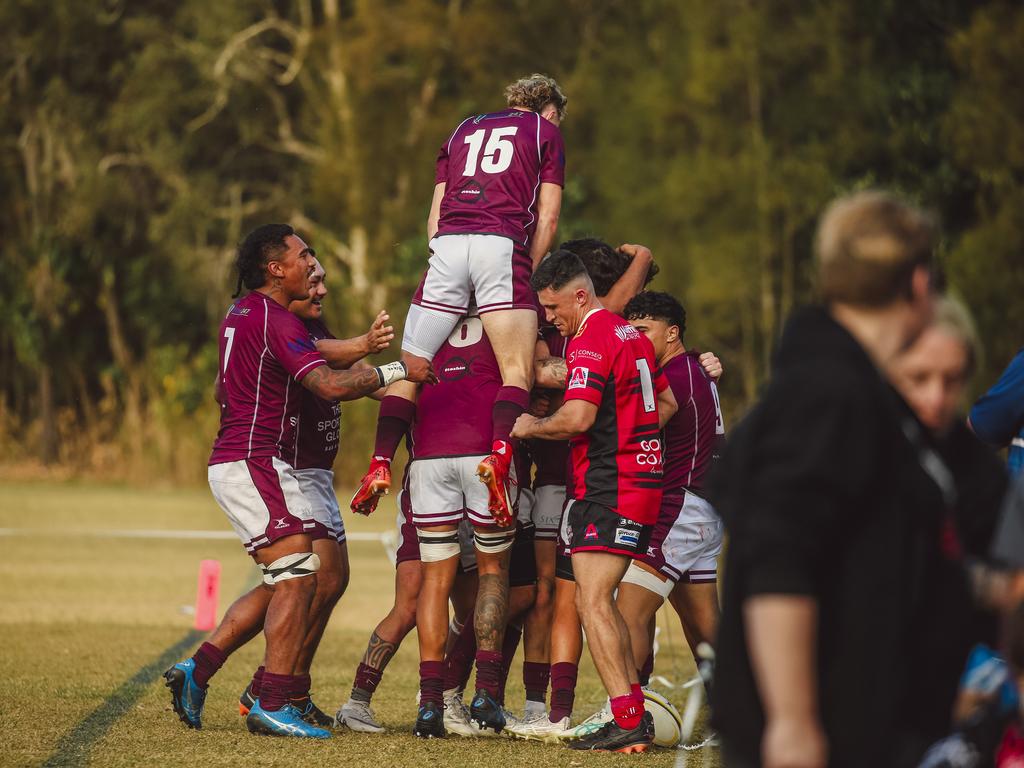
{"x": 845, "y": 598}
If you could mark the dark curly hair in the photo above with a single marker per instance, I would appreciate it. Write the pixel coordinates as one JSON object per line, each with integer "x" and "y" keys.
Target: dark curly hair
{"x": 261, "y": 245}
{"x": 605, "y": 264}
{"x": 659, "y": 306}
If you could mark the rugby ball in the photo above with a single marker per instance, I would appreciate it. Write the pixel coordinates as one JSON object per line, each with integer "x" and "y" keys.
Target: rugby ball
{"x": 668, "y": 725}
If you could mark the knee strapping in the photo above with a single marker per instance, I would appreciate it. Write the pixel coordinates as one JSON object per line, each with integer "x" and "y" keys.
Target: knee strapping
{"x": 426, "y": 330}
{"x": 293, "y": 566}
{"x": 436, "y": 546}
{"x": 642, "y": 577}
{"x": 493, "y": 542}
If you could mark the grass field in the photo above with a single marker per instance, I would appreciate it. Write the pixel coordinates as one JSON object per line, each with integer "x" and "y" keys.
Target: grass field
{"x": 91, "y": 616}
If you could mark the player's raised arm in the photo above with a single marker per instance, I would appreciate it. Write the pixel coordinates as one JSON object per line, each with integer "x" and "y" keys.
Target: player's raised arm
{"x": 632, "y": 280}
{"x": 343, "y": 353}
{"x": 549, "y": 207}
{"x": 350, "y": 385}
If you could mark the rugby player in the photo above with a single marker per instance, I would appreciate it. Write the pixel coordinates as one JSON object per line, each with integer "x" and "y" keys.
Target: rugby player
{"x": 681, "y": 560}
{"x": 450, "y": 435}
{"x": 264, "y": 350}
{"x": 615, "y": 404}
{"x": 495, "y": 209}
{"x": 316, "y": 445}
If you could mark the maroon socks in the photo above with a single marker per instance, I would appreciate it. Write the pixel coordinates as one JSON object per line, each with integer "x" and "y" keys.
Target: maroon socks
{"x": 393, "y": 421}
{"x": 509, "y": 645}
{"x": 257, "y": 682}
{"x": 366, "y": 682}
{"x": 488, "y": 672}
{"x": 459, "y": 663}
{"x": 646, "y": 670}
{"x": 300, "y": 687}
{"x": 563, "y": 689}
{"x": 509, "y": 404}
{"x": 209, "y": 658}
{"x": 431, "y": 683}
{"x": 535, "y": 680}
{"x": 276, "y": 690}
{"x": 627, "y": 711}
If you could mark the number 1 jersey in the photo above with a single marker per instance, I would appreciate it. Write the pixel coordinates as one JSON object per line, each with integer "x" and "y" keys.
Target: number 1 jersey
{"x": 618, "y": 462}
{"x": 493, "y": 166}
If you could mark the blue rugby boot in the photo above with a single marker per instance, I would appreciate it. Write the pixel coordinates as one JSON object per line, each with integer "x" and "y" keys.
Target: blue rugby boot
{"x": 187, "y": 697}
{"x": 486, "y": 712}
{"x": 430, "y": 722}
{"x": 287, "y": 721}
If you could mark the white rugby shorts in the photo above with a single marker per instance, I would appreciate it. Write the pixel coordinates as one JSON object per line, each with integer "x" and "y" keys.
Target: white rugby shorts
{"x": 547, "y": 511}
{"x": 318, "y": 487}
{"x": 444, "y": 490}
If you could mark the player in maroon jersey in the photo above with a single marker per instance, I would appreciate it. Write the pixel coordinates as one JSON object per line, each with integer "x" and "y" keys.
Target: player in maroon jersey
{"x": 681, "y": 561}
{"x": 616, "y": 402}
{"x": 497, "y": 197}
{"x": 265, "y": 353}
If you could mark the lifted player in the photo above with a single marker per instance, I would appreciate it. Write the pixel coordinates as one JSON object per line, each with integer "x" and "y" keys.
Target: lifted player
{"x": 681, "y": 560}
{"x": 497, "y": 197}
{"x": 616, "y": 402}
{"x": 263, "y": 350}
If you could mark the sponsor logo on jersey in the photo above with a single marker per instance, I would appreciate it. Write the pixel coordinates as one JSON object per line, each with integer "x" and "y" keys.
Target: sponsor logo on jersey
{"x": 579, "y": 377}
{"x": 471, "y": 192}
{"x": 240, "y": 311}
{"x": 626, "y": 332}
{"x": 282, "y": 522}
{"x": 456, "y": 368}
{"x": 302, "y": 345}
{"x": 591, "y": 532}
{"x": 628, "y": 536}
{"x": 584, "y": 354}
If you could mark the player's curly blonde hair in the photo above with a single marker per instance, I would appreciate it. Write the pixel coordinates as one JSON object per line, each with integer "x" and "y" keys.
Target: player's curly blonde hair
{"x": 536, "y": 92}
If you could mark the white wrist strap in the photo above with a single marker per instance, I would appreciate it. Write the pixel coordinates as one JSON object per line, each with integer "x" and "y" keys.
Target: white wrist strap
{"x": 391, "y": 372}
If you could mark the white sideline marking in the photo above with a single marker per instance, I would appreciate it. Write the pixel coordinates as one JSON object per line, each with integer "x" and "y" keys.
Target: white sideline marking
{"x": 154, "y": 533}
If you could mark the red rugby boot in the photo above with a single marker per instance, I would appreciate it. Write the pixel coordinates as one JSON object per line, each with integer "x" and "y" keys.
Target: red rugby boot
{"x": 375, "y": 483}
{"x": 493, "y": 472}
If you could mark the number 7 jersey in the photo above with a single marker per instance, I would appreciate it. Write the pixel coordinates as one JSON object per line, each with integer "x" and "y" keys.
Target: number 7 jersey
{"x": 618, "y": 463}
{"x": 493, "y": 166}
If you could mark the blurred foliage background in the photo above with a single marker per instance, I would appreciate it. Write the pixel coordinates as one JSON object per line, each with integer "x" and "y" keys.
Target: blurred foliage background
{"x": 140, "y": 140}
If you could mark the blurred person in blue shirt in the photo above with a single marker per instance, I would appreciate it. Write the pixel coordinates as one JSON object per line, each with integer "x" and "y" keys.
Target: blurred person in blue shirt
{"x": 998, "y": 416}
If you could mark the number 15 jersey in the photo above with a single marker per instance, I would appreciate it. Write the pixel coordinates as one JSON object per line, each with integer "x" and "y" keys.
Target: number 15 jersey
{"x": 493, "y": 166}
{"x": 618, "y": 462}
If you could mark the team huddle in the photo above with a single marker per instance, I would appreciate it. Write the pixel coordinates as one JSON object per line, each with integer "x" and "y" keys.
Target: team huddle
{"x": 559, "y": 436}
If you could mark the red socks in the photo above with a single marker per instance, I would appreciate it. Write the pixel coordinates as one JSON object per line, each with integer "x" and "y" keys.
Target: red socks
{"x": 627, "y": 711}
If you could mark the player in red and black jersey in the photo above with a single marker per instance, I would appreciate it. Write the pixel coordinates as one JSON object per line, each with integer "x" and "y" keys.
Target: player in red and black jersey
{"x": 616, "y": 402}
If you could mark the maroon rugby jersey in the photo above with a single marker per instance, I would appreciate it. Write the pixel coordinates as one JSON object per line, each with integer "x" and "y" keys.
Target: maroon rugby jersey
{"x": 493, "y": 166}
{"x": 693, "y": 433}
{"x": 265, "y": 351}
{"x": 618, "y": 463}
{"x": 319, "y": 427}
{"x": 551, "y": 457}
{"x": 453, "y": 417}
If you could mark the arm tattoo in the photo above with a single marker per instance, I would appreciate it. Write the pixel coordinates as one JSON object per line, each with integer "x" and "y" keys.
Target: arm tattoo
{"x": 341, "y": 385}
{"x": 491, "y": 611}
{"x": 555, "y": 366}
{"x": 378, "y": 652}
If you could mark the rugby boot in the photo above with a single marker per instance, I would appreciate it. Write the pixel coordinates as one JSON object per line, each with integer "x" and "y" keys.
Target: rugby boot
{"x": 493, "y": 472}
{"x": 311, "y": 713}
{"x": 287, "y": 721}
{"x": 612, "y": 738}
{"x": 246, "y": 700}
{"x": 187, "y": 697}
{"x": 429, "y": 722}
{"x": 591, "y": 724}
{"x": 486, "y": 712}
{"x": 375, "y": 483}
{"x": 357, "y": 716}
{"x": 539, "y": 728}
{"x": 456, "y": 716}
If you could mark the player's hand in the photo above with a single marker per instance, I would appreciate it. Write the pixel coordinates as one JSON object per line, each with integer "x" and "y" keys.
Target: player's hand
{"x": 633, "y": 250}
{"x": 540, "y": 403}
{"x": 420, "y": 370}
{"x": 522, "y": 427}
{"x": 794, "y": 743}
{"x": 380, "y": 334}
{"x": 712, "y": 365}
